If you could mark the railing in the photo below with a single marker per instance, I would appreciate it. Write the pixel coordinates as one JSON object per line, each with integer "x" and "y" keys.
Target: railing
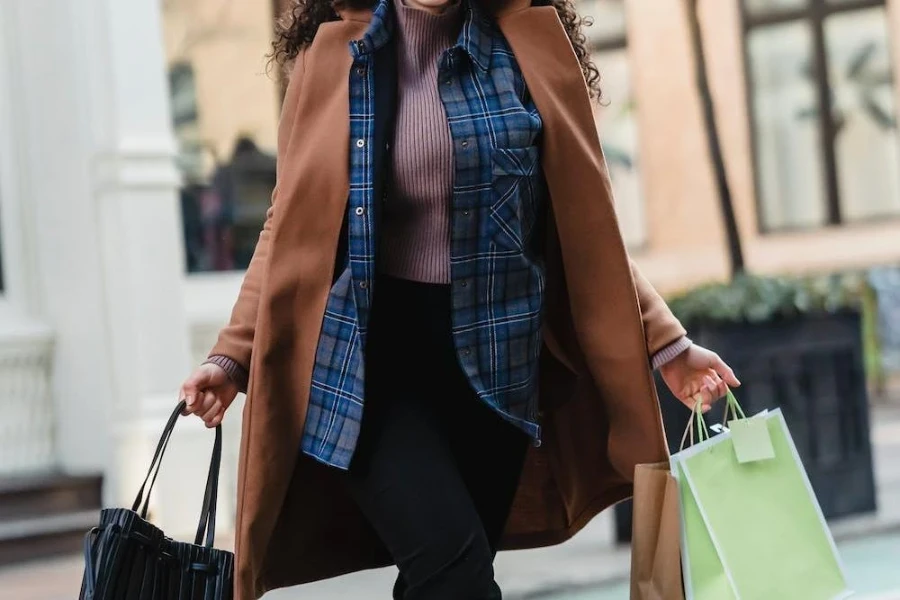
{"x": 26, "y": 404}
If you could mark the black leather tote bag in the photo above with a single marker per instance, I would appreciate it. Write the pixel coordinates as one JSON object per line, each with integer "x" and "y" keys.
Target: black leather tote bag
{"x": 128, "y": 558}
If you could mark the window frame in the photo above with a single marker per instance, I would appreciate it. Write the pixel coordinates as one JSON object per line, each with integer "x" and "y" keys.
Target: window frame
{"x": 814, "y": 14}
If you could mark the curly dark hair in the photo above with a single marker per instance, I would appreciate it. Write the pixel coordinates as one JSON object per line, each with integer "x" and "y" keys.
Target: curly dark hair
{"x": 297, "y": 28}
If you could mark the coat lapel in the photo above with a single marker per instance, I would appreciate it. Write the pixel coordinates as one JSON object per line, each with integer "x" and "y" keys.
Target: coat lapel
{"x": 607, "y": 319}
{"x": 313, "y": 187}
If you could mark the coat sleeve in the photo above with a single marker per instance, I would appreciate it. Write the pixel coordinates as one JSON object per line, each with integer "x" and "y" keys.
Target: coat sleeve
{"x": 236, "y": 338}
{"x": 662, "y": 329}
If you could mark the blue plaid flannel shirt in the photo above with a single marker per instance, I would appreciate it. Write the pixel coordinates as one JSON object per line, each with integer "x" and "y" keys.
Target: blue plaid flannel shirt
{"x": 497, "y": 282}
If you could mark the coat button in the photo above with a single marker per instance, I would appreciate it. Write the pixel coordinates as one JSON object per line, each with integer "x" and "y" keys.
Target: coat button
{"x": 360, "y": 143}
{"x": 360, "y": 211}
{"x": 363, "y": 284}
{"x": 465, "y": 143}
{"x": 360, "y": 71}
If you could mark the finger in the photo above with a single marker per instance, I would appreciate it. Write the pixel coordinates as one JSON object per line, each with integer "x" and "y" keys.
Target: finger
{"x": 699, "y": 397}
{"x": 711, "y": 383}
{"x": 724, "y": 371}
{"x": 692, "y": 387}
{"x": 216, "y": 420}
{"x": 706, "y": 396}
{"x": 721, "y": 389}
{"x": 181, "y": 395}
{"x": 193, "y": 385}
{"x": 213, "y": 412}
{"x": 691, "y": 401}
{"x": 203, "y": 401}
{"x": 207, "y": 400}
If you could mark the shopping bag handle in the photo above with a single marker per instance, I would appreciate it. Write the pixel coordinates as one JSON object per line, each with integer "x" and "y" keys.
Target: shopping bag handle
{"x": 210, "y": 497}
{"x": 732, "y": 407}
{"x": 697, "y": 421}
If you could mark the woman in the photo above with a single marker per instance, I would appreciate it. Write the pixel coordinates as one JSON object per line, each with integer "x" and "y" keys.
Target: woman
{"x": 448, "y": 348}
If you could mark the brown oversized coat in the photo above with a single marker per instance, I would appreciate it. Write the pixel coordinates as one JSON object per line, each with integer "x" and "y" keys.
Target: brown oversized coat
{"x": 600, "y": 415}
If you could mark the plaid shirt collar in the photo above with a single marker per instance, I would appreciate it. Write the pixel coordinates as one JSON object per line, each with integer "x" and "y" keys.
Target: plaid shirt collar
{"x": 476, "y": 37}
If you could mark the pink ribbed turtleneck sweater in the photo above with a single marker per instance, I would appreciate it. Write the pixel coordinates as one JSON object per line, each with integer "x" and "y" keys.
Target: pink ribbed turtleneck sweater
{"x": 415, "y": 234}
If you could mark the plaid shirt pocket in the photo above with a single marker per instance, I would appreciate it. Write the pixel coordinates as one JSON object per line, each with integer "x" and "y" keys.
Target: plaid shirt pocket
{"x": 514, "y": 186}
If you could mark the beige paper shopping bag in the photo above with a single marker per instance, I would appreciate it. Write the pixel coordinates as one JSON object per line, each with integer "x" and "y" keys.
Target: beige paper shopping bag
{"x": 655, "y": 538}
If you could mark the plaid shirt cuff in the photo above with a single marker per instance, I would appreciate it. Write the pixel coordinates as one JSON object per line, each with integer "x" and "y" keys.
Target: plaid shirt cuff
{"x": 236, "y": 372}
{"x": 668, "y": 353}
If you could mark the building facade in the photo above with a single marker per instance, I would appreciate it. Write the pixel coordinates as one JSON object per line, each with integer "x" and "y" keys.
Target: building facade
{"x": 136, "y": 158}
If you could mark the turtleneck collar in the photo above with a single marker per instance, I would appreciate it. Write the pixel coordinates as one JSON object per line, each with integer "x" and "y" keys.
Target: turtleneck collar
{"x": 423, "y": 36}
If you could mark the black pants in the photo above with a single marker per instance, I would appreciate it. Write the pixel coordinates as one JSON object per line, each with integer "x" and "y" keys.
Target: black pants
{"x": 436, "y": 469}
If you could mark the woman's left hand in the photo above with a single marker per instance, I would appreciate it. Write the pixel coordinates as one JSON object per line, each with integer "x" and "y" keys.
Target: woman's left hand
{"x": 698, "y": 375}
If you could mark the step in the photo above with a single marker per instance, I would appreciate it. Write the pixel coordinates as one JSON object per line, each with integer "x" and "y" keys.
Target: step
{"x": 43, "y": 537}
{"x": 46, "y": 515}
{"x": 25, "y": 497}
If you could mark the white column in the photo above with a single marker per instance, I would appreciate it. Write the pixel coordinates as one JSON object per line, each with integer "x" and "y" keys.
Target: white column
{"x": 26, "y": 341}
{"x": 107, "y": 224}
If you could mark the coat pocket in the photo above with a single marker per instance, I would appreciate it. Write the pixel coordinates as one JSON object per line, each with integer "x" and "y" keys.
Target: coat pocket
{"x": 514, "y": 195}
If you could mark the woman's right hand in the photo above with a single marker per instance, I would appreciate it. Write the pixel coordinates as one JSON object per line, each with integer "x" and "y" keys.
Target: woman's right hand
{"x": 209, "y": 391}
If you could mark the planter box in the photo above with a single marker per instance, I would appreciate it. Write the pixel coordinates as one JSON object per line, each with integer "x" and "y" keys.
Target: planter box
{"x": 812, "y": 368}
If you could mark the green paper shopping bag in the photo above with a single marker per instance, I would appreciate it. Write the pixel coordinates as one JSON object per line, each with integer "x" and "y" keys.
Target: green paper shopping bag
{"x": 751, "y": 526}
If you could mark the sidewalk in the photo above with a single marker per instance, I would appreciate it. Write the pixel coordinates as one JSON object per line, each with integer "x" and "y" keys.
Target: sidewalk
{"x": 589, "y": 561}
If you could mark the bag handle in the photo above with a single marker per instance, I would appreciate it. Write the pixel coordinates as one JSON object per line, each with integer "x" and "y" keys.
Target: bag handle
{"x": 732, "y": 407}
{"x": 698, "y": 423}
{"x": 210, "y": 496}
{"x": 156, "y": 462}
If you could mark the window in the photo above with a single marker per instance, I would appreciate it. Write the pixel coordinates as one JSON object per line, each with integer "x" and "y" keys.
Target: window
{"x": 821, "y": 91}
{"x": 616, "y": 118}
{"x": 225, "y": 117}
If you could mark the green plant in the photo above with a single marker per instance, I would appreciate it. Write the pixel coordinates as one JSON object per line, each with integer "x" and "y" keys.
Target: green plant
{"x": 754, "y": 299}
